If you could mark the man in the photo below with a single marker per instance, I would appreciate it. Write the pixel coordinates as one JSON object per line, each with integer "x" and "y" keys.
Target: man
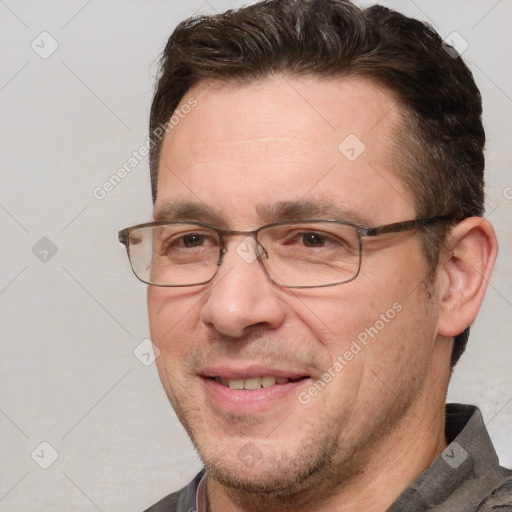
{"x": 317, "y": 255}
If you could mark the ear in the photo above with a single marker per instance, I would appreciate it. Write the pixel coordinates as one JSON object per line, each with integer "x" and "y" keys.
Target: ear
{"x": 465, "y": 270}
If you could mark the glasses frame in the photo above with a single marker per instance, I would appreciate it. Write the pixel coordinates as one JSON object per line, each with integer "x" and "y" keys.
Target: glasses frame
{"x": 361, "y": 230}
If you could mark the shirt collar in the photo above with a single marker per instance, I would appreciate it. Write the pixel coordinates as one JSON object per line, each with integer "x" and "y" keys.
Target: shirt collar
{"x": 468, "y": 461}
{"x": 201, "y": 496}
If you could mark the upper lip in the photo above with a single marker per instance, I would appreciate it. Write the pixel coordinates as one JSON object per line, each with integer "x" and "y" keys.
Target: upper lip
{"x": 249, "y": 371}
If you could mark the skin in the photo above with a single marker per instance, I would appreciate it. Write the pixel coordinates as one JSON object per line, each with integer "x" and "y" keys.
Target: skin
{"x": 380, "y": 421}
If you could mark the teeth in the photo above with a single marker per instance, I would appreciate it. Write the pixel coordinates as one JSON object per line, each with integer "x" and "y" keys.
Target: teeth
{"x": 252, "y": 383}
{"x": 236, "y": 383}
{"x": 266, "y": 382}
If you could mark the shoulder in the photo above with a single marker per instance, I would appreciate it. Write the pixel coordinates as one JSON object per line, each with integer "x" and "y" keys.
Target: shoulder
{"x": 167, "y": 504}
{"x": 500, "y": 499}
{"x": 183, "y": 500}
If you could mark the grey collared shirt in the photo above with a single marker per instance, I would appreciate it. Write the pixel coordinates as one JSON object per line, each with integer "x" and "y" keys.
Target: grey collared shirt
{"x": 465, "y": 477}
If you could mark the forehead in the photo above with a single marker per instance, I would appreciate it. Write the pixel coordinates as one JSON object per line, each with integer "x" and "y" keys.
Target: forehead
{"x": 282, "y": 140}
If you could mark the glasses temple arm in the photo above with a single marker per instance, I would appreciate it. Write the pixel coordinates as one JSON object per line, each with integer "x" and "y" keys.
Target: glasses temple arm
{"x": 398, "y": 227}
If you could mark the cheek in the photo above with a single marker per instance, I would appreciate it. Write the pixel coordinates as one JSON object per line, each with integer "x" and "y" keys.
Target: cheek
{"x": 173, "y": 321}
{"x": 374, "y": 321}
{"x": 339, "y": 315}
{"x": 172, "y": 315}
{"x": 402, "y": 350}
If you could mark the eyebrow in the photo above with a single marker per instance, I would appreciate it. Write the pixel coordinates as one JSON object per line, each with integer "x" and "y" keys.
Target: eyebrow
{"x": 268, "y": 212}
{"x": 304, "y": 209}
{"x": 187, "y": 210}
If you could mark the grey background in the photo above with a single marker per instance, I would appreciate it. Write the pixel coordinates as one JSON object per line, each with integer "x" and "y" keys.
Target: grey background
{"x": 71, "y": 312}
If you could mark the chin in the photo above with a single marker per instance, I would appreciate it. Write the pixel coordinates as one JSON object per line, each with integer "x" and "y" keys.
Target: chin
{"x": 266, "y": 468}
{"x": 264, "y": 481}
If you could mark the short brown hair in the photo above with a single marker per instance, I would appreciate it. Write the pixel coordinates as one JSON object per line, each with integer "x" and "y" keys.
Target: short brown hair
{"x": 439, "y": 147}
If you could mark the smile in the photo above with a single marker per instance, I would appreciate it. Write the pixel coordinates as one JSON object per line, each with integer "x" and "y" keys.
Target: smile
{"x": 253, "y": 383}
{"x": 251, "y": 389}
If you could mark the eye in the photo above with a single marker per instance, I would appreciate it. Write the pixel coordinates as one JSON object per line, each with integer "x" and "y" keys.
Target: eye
{"x": 193, "y": 240}
{"x": 306, "y": 238}
{"x": 313, "y": 239}
{"x": 188, "y": 241}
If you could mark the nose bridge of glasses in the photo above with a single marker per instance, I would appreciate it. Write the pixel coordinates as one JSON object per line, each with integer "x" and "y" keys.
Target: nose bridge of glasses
{"x": 246, "y": 243}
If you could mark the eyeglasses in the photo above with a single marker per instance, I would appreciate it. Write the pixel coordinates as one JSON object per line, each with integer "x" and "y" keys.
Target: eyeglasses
{"x": 293, "y": 254}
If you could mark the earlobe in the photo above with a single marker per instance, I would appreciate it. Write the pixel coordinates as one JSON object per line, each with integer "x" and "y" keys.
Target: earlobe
{"x": 464, "y": 273}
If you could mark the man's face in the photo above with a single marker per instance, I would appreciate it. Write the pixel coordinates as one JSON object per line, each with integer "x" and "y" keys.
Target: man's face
{"x": 241, "y": 153}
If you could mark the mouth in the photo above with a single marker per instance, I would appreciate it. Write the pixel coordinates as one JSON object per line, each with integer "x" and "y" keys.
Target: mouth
{"x": 251, "y": 390}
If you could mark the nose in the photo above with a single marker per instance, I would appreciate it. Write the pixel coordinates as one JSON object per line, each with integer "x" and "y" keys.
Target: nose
{"x": 241, "y": 295}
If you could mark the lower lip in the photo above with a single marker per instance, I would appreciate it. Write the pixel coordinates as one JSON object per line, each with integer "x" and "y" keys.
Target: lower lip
{"x": 238, "y": 401}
